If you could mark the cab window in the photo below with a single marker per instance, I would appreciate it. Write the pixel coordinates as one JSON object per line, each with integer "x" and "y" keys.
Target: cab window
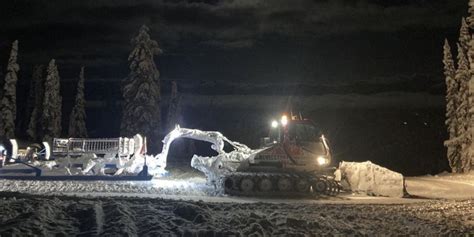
{"x": 303, "y": 132}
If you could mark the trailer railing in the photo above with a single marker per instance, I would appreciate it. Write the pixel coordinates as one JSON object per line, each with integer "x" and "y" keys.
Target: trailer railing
{"x": 121, "y": 146}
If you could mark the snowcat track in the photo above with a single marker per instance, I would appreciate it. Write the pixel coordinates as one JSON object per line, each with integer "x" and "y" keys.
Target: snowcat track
{"x": 301, "y": 185}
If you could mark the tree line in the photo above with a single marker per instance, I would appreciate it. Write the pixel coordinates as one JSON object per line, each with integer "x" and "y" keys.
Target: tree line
{"x": 140, "y": 90}
{"x": 459, "y": 81}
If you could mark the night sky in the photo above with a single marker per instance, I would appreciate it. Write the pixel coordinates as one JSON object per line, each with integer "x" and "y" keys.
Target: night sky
{"x": 353, "y": 50}
{"x": 249, "y": 41}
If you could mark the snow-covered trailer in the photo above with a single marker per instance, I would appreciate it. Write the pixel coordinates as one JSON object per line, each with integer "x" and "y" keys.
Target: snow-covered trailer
{"x": 89, "y": 157}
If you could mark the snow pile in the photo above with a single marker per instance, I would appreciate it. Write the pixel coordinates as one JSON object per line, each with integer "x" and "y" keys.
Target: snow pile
{"x": 372, "y": 179}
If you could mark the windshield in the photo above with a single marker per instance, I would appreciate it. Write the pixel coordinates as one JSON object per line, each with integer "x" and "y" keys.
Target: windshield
{"x": 304, "y": 132}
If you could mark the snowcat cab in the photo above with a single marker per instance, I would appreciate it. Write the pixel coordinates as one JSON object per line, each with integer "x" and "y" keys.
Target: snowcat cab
{"x": 294, "y": 144}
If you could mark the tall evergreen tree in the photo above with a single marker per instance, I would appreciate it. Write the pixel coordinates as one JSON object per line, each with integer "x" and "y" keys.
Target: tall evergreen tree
{"x": 174, "y": 109}
{"x": 77, "y": 120}
{"x": 470, "y": 56}
{"x": 8, "y": 100}
{"x": 141, "y": 90}
{"x": 36, "y": 102}
{"x": 460, "y": 98}
{"x": 463, "y": 132}
{"x": 52, "y": 101}
{"x": 451, "y": 105}
{"x": 464, "y": 36}
{"x": 471, "y": 118}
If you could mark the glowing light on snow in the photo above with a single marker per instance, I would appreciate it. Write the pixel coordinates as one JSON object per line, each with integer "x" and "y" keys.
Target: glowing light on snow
{"x": 172, "y": 184}
{"x": 2, "y": 156}
{"x": 47, "y": 150}
{"x": 14, "y": 148}
{"x": 274, "y": 124}
{"x": 284, "y": 120}
{"x": 322, "y": 160}
{"x": 174, "y": 134}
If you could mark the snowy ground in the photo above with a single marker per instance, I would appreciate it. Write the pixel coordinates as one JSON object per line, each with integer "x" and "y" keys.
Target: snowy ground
{"x": 190, "y": 184}
{"x": 119, "y": 216}
{"x": 443, "y": 186}
{"x": 183, "y": 204}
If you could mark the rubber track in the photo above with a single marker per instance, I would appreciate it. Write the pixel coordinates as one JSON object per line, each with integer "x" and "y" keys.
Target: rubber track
{"x": 333, "y": 187}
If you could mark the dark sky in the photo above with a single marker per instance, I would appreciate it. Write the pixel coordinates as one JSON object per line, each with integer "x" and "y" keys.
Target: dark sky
{"x": 237, "y": 40}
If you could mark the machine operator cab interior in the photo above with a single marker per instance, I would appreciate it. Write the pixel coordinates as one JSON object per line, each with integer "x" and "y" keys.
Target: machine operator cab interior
{"x": 301, "y": 131}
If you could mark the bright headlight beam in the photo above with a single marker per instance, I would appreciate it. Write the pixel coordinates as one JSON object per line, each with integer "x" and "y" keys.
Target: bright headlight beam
{"x": 274, "y": 124}
{"x": 284, "y": 120}
{"x": 321, "y": 160}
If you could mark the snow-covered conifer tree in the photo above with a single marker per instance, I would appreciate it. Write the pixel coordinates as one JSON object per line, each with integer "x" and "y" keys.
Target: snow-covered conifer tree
{"x": 174, "y": 109}
{"x": 141, "y": 90}
{"x": 451, "y": 106}
{"x": 471, "y": 119}
{"x": 464, "y": 36}
{"x": 460, "y": 98}
{"x": 52, "y": 101}
{"x": 8, "y": 100}
{"x": 77, "y": 120}
{"x": 36, "y": 102}
{"x": 470, "y": 21}
{"x": 463, "y": 139}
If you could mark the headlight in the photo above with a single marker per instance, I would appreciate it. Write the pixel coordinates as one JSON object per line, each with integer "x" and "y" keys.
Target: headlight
{"x": 274, "y": 124}
{"x": 322, "y": 160}
{"x": 284, "y": 120}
